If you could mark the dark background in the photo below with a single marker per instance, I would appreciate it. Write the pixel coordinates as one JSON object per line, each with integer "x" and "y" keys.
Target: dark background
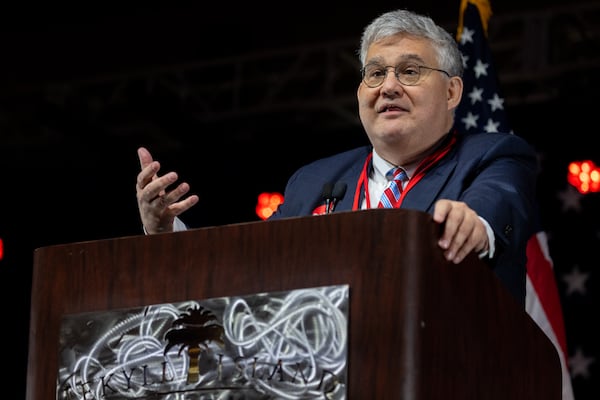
{"x": 235, "y": 100}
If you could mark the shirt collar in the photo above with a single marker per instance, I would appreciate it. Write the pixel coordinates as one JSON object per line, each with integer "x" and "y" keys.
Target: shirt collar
{"x": 381, "y": 167}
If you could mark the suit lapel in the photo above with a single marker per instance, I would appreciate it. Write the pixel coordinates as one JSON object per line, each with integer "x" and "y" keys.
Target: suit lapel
{"x": 350, "y": 178}
{"x": 424, "y": 194}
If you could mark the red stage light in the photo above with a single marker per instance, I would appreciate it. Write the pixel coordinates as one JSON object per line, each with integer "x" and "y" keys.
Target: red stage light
{"x": 267, "y": 204}
{"x": 584, "y": 176}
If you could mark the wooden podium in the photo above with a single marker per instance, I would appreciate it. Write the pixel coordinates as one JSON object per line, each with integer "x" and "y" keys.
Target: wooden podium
{"x": 419, "y": 327}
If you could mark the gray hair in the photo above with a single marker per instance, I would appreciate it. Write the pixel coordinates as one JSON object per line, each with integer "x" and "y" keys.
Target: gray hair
{"x": 391, "y": 23}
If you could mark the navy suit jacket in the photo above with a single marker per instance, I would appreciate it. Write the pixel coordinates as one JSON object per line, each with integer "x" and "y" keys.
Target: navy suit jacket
{"x": 494, "y": 173}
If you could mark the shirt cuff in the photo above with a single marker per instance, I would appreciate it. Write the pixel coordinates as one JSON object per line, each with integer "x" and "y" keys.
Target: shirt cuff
{"x": 178, "y": 226}
{"x": 491, "y": 241}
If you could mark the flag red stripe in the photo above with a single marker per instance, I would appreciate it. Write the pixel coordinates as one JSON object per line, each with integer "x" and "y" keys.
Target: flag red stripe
{"x": 541, "y": 273}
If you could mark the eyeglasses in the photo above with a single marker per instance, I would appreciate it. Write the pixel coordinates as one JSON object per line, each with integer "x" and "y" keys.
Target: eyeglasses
{"x": 408, "y": 74}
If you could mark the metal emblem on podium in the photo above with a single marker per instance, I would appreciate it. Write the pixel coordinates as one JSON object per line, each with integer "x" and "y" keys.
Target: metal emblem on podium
{"x": 284, "y": 345}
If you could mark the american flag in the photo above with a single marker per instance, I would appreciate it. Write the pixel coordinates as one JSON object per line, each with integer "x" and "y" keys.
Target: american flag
{"x": 482, "y": 110}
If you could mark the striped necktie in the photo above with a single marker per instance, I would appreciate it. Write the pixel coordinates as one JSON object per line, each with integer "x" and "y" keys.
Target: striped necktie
{"x": 391, "y": 195}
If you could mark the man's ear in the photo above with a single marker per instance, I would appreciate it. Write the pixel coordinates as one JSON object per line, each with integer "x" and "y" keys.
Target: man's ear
{"x": 455, "y": 89}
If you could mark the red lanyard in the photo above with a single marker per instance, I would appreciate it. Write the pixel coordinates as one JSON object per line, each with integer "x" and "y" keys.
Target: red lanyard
{"x": 424, "y": 165}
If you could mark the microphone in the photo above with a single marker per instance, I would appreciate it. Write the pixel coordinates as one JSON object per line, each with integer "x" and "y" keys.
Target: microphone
{"x": 337, "y": 193}
{"x": 326, "y": 194}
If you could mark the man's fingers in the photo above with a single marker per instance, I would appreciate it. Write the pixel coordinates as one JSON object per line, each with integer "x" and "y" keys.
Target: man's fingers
{"x": 179, "y": 207}
{"x": 158, "y": 187}
{"x": 144, "y": 156}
